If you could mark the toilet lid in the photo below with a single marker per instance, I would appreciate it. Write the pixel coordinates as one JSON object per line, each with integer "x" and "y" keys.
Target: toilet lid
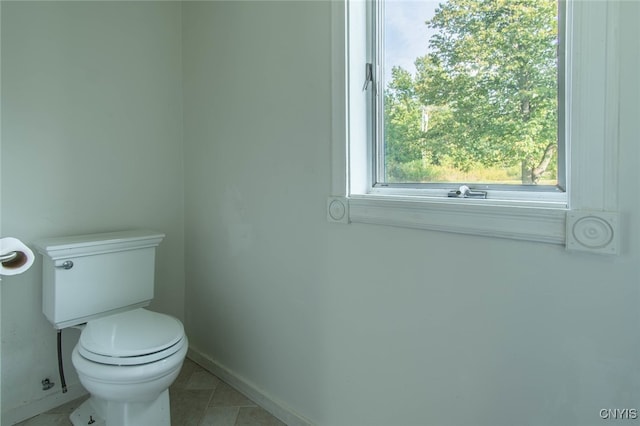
{"x": 131, "y": 335}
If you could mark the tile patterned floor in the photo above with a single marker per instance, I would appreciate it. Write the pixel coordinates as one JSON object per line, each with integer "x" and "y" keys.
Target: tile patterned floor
{"x": 198, "y": 398}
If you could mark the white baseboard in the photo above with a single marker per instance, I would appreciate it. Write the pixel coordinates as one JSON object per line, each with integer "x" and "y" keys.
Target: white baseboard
{"x": 276, "y": 408}
{"x": 52, "y": 400}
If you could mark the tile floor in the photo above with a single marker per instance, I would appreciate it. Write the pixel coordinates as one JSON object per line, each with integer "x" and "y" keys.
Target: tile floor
{"x": 198, "y": 398}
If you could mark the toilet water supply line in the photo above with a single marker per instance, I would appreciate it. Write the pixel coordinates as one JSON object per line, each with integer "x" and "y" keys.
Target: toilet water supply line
{"x": 60, "y": 369}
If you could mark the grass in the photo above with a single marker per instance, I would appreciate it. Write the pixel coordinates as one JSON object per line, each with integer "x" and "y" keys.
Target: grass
{"x": 421, "y": 171}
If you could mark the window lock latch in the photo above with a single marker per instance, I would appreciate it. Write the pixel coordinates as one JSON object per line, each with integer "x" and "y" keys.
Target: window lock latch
{"x": 368, "y": 76}
{"x": 465, "y": 192}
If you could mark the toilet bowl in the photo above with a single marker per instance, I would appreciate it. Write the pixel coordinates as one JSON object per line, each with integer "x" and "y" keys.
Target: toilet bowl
{"x": 126, "y": 356}
{"x": 127, "y": 361}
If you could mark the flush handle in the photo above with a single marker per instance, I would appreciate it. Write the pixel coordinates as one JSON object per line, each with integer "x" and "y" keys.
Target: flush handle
{"x": 67, "y": 264}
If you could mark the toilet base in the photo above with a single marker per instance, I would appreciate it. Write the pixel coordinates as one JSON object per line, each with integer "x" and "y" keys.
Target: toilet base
{"x": 85, "y": 414}
{"x": 110, "y": 413}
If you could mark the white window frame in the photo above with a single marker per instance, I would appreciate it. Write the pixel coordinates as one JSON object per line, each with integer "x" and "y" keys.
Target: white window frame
{"x": 554, "y": 194}
{"x": 585, "y": 220}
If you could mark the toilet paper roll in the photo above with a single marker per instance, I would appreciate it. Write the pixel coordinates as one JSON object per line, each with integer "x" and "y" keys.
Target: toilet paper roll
{"x": 15, "y": 264}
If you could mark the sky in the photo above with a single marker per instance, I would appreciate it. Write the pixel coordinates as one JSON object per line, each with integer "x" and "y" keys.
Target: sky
{"x": 406, "y": 35}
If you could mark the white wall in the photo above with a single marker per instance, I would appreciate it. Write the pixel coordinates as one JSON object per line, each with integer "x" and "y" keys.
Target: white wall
{"x": 369, "y": 325}
{"x": 91, "y": 141}
{"x": 345, "y": 325}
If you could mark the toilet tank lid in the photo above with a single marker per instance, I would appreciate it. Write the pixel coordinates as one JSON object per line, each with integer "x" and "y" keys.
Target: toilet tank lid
{"x": 88, "y": 244}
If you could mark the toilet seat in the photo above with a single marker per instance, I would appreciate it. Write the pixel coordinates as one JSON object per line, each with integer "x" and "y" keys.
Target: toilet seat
{"x": 131, "y": 338}
{"x": 130, "y": 360}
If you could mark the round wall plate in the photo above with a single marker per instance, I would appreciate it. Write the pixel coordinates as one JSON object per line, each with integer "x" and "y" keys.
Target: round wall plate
{"x": 338, "y": 209}
{"x": 595, "y": 232}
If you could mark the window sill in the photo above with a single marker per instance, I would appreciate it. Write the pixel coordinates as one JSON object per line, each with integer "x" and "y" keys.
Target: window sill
{"x": 474, "y": 217}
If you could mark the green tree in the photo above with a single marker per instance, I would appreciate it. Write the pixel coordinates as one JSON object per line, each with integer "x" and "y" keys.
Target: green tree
{"x": 489, "y": 83}
{"x": 404, "y": 135}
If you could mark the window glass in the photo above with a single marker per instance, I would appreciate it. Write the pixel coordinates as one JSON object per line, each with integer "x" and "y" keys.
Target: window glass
{"x": 469, "y": 92}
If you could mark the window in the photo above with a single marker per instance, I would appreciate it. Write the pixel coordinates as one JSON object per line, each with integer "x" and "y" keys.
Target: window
{"x": 468, "y": 93}
{"x": 582, "y": 188}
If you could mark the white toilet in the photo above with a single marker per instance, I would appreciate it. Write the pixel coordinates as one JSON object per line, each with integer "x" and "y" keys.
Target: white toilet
{"x": 126, "y": 356}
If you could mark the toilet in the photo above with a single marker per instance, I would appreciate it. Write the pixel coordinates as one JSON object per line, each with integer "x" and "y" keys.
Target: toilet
{"x": 126, "y": 356}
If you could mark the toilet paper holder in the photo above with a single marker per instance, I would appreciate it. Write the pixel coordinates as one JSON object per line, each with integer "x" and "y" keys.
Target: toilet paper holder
{"x": 8, "y": 257}
{"x": 15, "y": 256}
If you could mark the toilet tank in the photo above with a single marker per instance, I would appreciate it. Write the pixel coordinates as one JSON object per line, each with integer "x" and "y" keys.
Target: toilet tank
{"x": 89, "y": 276}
